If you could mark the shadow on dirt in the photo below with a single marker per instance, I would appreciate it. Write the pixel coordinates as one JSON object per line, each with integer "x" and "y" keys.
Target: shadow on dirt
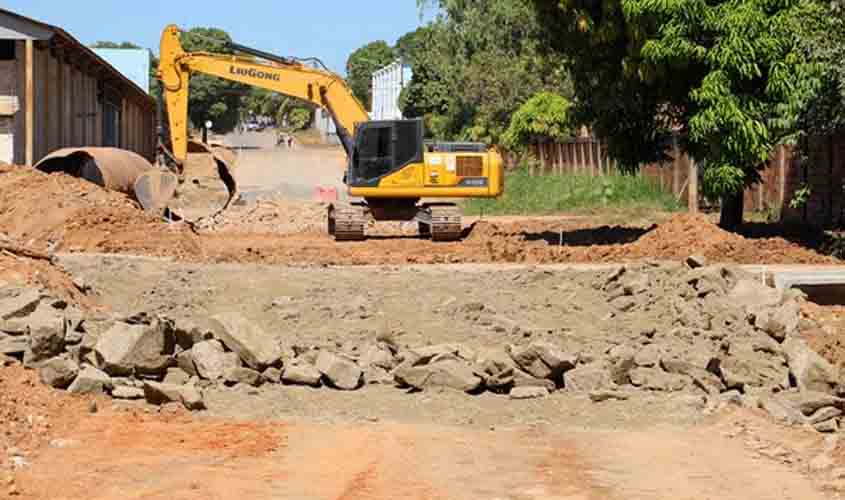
{"x": 604, "y": 235}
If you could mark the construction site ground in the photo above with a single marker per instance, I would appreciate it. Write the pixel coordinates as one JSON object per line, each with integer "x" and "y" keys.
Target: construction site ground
{"x": 269, "y": 259}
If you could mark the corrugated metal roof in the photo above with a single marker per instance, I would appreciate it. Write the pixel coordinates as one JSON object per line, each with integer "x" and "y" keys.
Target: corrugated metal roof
{"x": 68, "y": 39}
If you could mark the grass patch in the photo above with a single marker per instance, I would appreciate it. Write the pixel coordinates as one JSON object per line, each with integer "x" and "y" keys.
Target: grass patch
{"x": 549, "y": 194}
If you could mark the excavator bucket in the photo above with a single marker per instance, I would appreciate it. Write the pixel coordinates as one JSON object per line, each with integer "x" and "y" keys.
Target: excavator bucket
{"x": 225, "y": 160}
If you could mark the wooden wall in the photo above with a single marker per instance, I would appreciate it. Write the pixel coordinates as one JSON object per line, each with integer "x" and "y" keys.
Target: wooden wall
{"x": 68, "y": 106}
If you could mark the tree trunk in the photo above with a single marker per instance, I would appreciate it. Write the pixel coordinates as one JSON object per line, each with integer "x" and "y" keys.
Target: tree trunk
{"x": 732, "y": 211}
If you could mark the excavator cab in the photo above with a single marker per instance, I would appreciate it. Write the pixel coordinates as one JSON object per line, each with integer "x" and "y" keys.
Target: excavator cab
{"x": 382, "y": 148}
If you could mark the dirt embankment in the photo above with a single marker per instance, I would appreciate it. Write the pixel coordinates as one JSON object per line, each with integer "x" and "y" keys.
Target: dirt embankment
{"x": 64, "y": 214}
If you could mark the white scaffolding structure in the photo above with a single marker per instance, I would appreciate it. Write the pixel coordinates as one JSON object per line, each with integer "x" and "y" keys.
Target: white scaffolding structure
{"x": 388, "y": 83}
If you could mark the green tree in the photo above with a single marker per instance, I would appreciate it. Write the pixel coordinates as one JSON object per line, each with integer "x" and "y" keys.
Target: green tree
{"x": 543, "y": 118}
{"x": 731, "y": 76}
{"x": 475, "y": 65}
{"x": 826, "y": 111}
{"x": 362, "y": 64}
{"x": 212, "y": 98}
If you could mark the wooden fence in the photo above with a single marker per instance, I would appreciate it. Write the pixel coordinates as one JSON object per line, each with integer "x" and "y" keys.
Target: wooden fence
{"x": 679, "y": 175}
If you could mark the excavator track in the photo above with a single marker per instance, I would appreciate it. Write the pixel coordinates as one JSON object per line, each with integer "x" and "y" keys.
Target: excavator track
{"x": 445, "y": 222}
{"x": 348, "y": 223}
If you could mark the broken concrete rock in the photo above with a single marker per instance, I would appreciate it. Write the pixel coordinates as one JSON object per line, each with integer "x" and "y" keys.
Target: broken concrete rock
{"x": 745, "y": 369}
{"x": 257, "y": 349}
{"x": 13, "y": 345}
{"x": 458, "y": 350}
{"x": 211, "y": 361}
{"x": 185, "y": 361}
{"x": 300, "y": 373}
{"x": 703, "y": 379}
{"x": 752, "y": 294}
{"x": 823, "y": 414}
{"x": 810, "y": 371}
{"x": 648, "y": 356}
{"x": 587, "y": 378}
{"x": 808, "y": 402}
{"x": 17, "y": 302}
{"x": 126, "y": 349}
{"x": 176, "y": 376}
{"x": 542, "y": 360}
{"x": 655, "y": 379}
{"x": 452, "y": 373}
{"x": 272, "y": 375}
{"x": 58, "y": 372}
{"x": 341, "y": 373}
{"x": 528, "y": 392}
{"x": 828, "y": 426}
{"x": 159, "y": 394}
{"x": 243, "y": 375}
{"x": 127, "y": 392}
{"x": 90, "y": 380}
{"x": 47, "y": 329}
{"x": 606, "y": 395}
{"x": 380, "y": 356}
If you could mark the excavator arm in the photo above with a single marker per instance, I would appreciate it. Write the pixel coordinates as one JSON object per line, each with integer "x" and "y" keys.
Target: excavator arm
{"x": 285, "y": 76}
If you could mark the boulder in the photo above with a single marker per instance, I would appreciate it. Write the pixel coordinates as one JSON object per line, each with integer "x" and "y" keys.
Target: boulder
{"x": 655, "y": 379}
{"x": 176, "y": 376}
{"x": 127, "y": 392}
{"x": 257, "y": 349}
{"x": 528, "y": 392}
{"x": 810, "y": 371}
{"x": 211, "y": 361}
{"x": 780, "y": 411}
{"x": 703, "y": 379}
{"x": 47, "y": 329}
{"x": 751, "y": 294}
{"x": 542, "y": 360}
{"x": 828, "y": 426}
{"x": 587, "y": 378}
{"x": 58, "y": 372}
{"x": 125, "y": 349}
{"x": 452, "y": 373}
{"x": 497, "y": 368}
{"x": 90, "y": 380}
{"x": 780, "y": 322}
{"x": 747, "y": 369}
{"x": 340, "y": 372}
{"x": 159, "y": 394}
{"x": 299, "y": 373}
{"x": 243, "y": 375}
{"x": 378, "y": 355}
{"x": 18, "y": 302}
{"x": 808, "y": 402}
{"x": 185, "y": 361}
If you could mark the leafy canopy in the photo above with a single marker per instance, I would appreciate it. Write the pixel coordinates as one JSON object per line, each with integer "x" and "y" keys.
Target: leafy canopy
{"x": 212, "y": 98}
{"x": 543, "y": 118}
{"x": 730, "y": 74}
{"x": 361, "y": 65}
{"x": 475, "y": 65}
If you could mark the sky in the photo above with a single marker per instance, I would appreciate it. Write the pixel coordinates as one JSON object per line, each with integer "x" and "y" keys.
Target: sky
{"x": 327, "y": 29}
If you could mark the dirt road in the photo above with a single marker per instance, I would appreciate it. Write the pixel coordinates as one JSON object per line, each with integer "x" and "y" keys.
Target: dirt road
{"x": 131, "y": 456}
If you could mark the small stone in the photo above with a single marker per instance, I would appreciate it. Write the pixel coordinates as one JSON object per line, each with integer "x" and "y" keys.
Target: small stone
{"x": 212, "y": 362}
{"x": 605, "y": 395}
{"x": 257, "y": 349}
{"x": 64, "y": 443}
{"x": 695, "y": 261}
{"x": 731, "y": 397}
{"x": 92, "y": 407}
{"x": 528, "y": 392}
{"x": 623, "y": 304}
{"x": 587, "y": 378}
{"x": 176, "y": 376}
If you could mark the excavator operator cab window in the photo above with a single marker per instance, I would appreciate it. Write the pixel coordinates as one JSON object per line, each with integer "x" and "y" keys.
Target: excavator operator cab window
{"x": 383, "y": 147}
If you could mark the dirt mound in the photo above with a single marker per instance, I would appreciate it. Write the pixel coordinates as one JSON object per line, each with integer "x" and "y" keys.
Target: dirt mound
{"x": 59, "y": 212}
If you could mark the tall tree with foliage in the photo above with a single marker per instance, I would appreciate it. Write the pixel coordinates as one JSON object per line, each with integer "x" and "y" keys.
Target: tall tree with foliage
{"x": 730, "y": 75}
{"x": 361, "y": 65}
{"x": 826, "y": 111}
{"x": 212, "y": 98}
{"x": 475, "y": 65}
{"x": 543, "y": 118}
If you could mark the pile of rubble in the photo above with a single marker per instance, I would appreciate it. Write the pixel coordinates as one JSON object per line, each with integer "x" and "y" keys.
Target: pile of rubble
{"x": 731, "y": 340}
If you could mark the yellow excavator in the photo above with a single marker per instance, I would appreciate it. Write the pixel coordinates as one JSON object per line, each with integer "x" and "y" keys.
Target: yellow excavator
{"x": 391, "y": 168}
